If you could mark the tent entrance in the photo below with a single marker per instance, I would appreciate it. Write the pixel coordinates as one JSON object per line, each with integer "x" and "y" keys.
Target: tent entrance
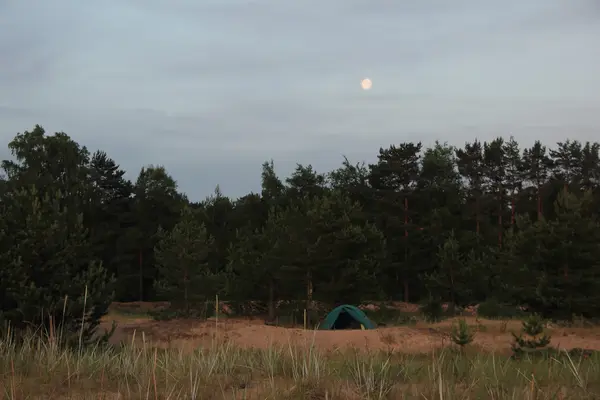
{"x": 345, "y": 321}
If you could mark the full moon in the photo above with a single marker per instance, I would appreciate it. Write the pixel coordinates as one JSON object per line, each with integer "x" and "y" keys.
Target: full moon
{"x": 366, "y": 84}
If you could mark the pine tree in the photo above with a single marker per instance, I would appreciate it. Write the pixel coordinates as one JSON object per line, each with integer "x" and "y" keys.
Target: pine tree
{"x": 471, "y": 167}
{"x": 157, "y": 203}
{"x": 462, "y": 334}
{"x": 532, "y": 339}
{"x": 258, "y": 257}
{"x": 184, "y": 276}
{"x": 393, "y": 179}
{"x": 536, "y": 169}
{"x": 540, "y": 253}
{"x": 53, "y": 265}
{"x": 50, "y": 266}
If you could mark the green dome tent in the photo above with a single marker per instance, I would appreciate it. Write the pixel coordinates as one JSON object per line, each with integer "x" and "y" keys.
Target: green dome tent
{"x": 346, "y": 317}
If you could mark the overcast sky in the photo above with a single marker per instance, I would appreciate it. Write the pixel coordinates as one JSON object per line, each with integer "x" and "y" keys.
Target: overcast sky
{"x": 212, "y": 88}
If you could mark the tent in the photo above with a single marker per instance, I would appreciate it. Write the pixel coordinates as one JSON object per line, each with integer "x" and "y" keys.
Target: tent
{"x": 346, "y": 317}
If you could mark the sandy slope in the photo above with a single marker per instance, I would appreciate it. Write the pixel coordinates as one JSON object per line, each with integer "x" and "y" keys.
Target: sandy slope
{"x": 188, "y": 334}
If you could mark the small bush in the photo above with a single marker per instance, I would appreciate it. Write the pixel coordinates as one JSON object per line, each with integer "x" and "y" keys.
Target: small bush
{"x": 386, "y": 316}
{"x": 532, "y": 339}
{"x": 432, "y": 310}
{"x": 493, "y": 309}
{"x": 462, "y": 334}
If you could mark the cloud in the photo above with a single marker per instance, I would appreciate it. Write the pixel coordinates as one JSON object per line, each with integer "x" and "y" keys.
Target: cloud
{"x": 211, "y": 89}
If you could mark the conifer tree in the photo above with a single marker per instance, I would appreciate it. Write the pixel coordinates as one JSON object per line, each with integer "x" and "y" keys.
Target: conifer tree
{"x": 184, "y": 276}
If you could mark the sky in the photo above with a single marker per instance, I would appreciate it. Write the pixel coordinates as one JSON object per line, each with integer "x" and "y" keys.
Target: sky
{"x": 213, "y": 88}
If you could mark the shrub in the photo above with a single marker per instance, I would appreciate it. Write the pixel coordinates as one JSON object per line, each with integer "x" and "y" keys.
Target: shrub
{"x": 532, "y": 339}
{"x": 462, "y": 334}
{"x": 432, "y": 310}
{"x": 493, "y": 309}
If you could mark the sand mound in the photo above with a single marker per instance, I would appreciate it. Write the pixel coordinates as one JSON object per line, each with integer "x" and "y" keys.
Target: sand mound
{"x": 253, "y": 333}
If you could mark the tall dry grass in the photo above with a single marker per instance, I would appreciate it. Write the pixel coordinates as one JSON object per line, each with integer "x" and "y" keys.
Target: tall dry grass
{"x": 36, "y": 367}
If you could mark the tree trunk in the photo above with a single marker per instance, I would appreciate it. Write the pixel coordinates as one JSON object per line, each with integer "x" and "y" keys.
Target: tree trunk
{"x": 309, "y": 290}
{"x": 405, "y": 278}
{"x": 186, "y": 293}
{"x": 566, "y": 267}
{"x": 477, "y": 214}
{"x": 500, "y": 221}
{"x": 539, "y": 200}
{"x": 271, "y": 304}
{"x": 141, "y": 277}
{"x": 452, "y": 298}
{"x": 512, "y": 210}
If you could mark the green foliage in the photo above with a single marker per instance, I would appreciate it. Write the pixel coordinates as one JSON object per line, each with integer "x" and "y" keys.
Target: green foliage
{"x": 532, "y": 339}
{"x": 184, "y": 276}
{"x": 486, "y": 223}
{"x": 111, "y": 220}
{"x": 458, "y": 272}
{"x": 432, "y": 309}
{"x": 494, "y": 309}
{"x": 558, "y": 261}
{"x": 49, "y": 268}
{"x": 389, "y": 316}
{"x": 157, "y": 204}
{"x": 338, "y": 249}
{"x": 462, "y": 334}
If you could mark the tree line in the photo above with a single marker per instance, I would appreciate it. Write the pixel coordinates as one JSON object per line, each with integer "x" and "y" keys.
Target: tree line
{"x": 487, "y": 220}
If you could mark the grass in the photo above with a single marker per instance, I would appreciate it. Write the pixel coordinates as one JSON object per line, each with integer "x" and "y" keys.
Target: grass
{"x": 38, "y": 368}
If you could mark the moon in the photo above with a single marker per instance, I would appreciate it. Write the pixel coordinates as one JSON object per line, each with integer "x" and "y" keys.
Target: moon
{"x": 366, "y": 84}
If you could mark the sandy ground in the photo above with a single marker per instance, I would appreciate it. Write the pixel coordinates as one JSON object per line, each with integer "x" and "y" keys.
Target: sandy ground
{"x": 491, "y": 336}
